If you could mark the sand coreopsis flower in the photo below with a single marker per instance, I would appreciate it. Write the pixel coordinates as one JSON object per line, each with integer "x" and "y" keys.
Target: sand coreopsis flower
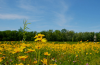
{"x": 53, "y": 64}
{"x": 0, "y": 53}
{"x": 46, "y": 53}
{"x": 44, "y": 40}
{"x": 29, "y": 50}
{"x": 44, "y": 61}
{"x": 86, "y": 53}
{"x": 20, "y": 64}
{"x": 1, "y": 48}
{"x": 35, "y": 62}
{"x": 22, "y": 57}
{"x": 41, "y": 35}
{"x": 87, "y": 40}
{"x": 1, "y": 59}
{"x": 76, "y": 55}
{"x": 81, "y": 41}
{"x": 90, "y": 53}
{"x": 39, "y": 38}
{"x": 38, "y": 47}
{"x": 17, "y": 49}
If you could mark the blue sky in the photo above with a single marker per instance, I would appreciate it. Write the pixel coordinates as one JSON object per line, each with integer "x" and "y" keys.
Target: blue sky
{"x": 44, "y": 15}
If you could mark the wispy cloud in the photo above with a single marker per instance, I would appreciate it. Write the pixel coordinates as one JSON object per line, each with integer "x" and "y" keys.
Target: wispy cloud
{"x": 96, "y": 30}
{"x": 95, "y": 26}
{"x": 31, "y": 6}
{"x": 27, "y": 7}
{"x": 61, "y": 18}
{"x": 12, "y": 16}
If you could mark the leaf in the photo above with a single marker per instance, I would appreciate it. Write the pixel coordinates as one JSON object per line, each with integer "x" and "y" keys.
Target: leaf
{"x": 26, "y": 28}
{"x": 28, "y": 23}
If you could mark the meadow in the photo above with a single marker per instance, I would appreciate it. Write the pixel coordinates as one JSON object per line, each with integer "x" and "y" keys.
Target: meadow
{"x": 42, "y": 52}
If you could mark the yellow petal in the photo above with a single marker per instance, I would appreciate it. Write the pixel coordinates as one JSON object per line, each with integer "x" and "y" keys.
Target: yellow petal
{"x": 43, "y": 40}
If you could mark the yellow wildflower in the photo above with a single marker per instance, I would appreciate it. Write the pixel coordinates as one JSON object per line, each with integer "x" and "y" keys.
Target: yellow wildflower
{"x": 90, "y": 53}
{"x": 18, "y": 50}
{"x": 39, "y": 37}
{"x": 44, "y": 61}
{"x": 86, "y": 53}
{"x": 76, "y": 55}
{"x": 22, "y": 57}
{"x": 1, "y": 48}
{"x": 53, "y": 64}
{"x": 1, "y": 59}
{"x": 46, "y": 53}
{"x": 36, "y": 36}
{"x": 44, "y": 40}
{"x": 81, "y": 41}
{"x": 87, "y": 40}
{"x": 29, "y": 50}
{"x": 35, "y": 62}
{"x": 20, "y": 64}
{"x": 0, "y": 53}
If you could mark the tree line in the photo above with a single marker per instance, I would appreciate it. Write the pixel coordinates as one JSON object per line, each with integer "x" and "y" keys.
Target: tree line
{"x": 50, "y": 35}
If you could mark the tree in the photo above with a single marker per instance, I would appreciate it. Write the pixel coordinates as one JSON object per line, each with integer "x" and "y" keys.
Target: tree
{"x": 1, "y": 35}
{"x": 98, "y": 36}
{"x": 58, "y": 35}
{"x": 20, "y": 36}
{"x": 86, "y": 36}
{"x": 70, "y": 35}
{"x": 63, "y": 32}
{"x": 14, "y": 35}
{"x": 49, "y": 35}
{"x": 7, "y": 35}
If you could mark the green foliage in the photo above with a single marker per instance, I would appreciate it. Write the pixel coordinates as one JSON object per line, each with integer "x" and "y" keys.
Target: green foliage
{"x": 24, "y": 30}
{"x": 50, "y": 35}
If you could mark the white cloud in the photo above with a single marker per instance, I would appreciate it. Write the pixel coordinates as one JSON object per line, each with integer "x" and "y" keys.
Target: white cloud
{"x": 64, "y": 7}
{"x": 29, "y": 6}
{"x": 61, "y": 16}
{"x": 12, "y": 16}
{"x": 95, "y": 30}
{"x": 60, "y": 19}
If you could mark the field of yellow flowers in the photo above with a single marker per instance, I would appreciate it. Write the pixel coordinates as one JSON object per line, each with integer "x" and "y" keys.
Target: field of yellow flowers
{"x": 46, "y": 53}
